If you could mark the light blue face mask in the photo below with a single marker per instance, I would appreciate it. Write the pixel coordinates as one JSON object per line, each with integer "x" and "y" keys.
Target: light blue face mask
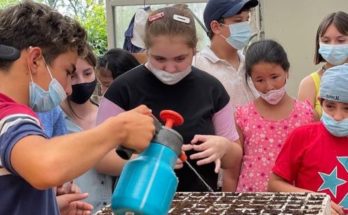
{"x": 41, "y": 100}
{"x": 240, "y": 34}
{"x": 334, "y": 54}
{"x": 336, "y": 128}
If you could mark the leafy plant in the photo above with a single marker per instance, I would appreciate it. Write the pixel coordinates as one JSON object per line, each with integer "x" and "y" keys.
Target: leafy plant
{"x": 90, "y": 13}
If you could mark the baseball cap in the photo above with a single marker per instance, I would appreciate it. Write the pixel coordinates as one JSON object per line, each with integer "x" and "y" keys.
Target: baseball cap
{"x": 334, "y": 85}
{"x": 217, "y": 9}
{"x": 8, "y": 53}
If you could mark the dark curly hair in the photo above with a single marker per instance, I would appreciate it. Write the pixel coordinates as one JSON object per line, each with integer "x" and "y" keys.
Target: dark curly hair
{"x": 34, "y": 24}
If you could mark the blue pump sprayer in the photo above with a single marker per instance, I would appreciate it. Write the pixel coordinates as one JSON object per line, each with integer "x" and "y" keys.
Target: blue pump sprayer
{"x": 148, "y": 183}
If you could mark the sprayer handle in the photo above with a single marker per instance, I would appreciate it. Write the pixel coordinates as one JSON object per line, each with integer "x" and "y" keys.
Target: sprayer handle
{"x": 124, "y": 153}
{"x": 127, "y": 153}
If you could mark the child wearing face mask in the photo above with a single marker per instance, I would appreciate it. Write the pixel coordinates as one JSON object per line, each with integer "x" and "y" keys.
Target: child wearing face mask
{"x": 331, "y": 49}
{"x": 229, "y": 30}
{"x": 37, "y": 58}
{"x": 80, "y": 114}
{"x": 314, "y": 156}
{"x": 168, "y": 81}
{"x": 264, "y": 123}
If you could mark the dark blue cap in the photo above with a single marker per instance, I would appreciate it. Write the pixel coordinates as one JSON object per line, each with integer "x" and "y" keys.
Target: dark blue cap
{"x": 8, "y": 53}
{"x": 217, "y": 9}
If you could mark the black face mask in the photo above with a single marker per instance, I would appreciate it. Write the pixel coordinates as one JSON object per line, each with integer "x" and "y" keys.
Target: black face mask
{"x": 82, "y": 92}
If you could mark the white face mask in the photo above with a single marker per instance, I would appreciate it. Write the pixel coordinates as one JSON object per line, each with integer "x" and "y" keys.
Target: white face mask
{"x": 273, "y": 97}
{"x": 167, "y": 77}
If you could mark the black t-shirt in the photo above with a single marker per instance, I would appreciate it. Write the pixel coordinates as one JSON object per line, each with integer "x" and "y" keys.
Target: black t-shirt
{"x": 197, "y": 98}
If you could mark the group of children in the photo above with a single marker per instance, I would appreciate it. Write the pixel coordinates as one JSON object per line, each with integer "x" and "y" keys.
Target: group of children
{"x": 264, "y": 140}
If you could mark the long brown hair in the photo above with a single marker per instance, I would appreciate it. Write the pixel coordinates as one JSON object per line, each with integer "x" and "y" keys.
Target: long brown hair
{"x": 339, "y": 20}
{"x": 165, "y": 24}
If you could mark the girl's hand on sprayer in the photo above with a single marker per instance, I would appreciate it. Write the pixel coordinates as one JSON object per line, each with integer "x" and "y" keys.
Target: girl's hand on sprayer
{"x": 211, "y": 149}
{"x": 179, "y": 163}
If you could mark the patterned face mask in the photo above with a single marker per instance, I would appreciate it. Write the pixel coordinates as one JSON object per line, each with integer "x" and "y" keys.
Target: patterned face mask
{"x": 273, "y": 97}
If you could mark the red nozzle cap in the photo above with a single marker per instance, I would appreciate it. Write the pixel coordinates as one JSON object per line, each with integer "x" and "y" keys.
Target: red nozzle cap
{"x": 171, "y": 118}
{"x": 183, "y": 156}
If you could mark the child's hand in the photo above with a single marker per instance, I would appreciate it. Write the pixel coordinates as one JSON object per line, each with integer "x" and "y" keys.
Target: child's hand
{"x": 336, "y": 209}
{"x": 72, "y": 204}
{"x": 67, "y": 188}
{"x": 212, "y": 149}
{"x": 137, "y": 126}
{"x": 179, "y": 164}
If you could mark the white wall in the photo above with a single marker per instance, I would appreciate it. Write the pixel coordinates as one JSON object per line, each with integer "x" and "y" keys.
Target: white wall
{"x": 294, "y": 23}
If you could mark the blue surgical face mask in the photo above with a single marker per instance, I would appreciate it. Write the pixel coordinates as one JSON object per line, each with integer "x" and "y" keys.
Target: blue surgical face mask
{"x": 240, "y": 34}
{"x": 41, "y": 100}
{"x": 336, "y": 128}
{"x": 334, "y": 54}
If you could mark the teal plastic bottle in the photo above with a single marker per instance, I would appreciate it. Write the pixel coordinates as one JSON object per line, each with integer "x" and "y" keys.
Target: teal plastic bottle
{"x": 148, "y": 183}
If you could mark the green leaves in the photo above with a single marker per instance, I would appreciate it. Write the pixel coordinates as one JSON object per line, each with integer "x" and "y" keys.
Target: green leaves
{"x": 94, "y": 22}
{"x": 6, "y": 3}
{"x": 90, "y": 13}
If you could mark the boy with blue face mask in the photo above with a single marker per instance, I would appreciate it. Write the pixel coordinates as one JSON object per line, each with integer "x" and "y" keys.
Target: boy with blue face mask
{"x": 38, "y": 52}
{"x": 229, "y": 30}
{"x": 315, "y": 156}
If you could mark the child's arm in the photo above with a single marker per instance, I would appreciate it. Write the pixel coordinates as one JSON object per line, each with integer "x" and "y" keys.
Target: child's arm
{"x": 306, "y": 90}
{"x": 230, "y": 178}
{"x": 278, "y": 184}
{"x": 231, "y": 175}
{"x": 47, "y": 163}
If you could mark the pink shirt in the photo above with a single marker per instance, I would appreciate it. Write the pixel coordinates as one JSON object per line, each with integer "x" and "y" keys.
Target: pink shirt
{"x": 263, "y": 140}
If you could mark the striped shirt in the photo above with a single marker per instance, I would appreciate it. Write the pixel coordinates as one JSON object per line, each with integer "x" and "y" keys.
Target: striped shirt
{"x": 17, "y": 195}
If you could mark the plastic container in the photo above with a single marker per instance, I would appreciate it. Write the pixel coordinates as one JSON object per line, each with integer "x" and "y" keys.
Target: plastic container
{"x": 148, "y": 183}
